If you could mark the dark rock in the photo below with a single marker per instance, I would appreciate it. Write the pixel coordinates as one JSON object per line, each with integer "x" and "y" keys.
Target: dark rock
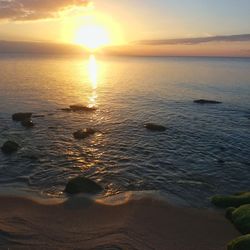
{"x": 77, "y": 108}
{"x": 18, "y": 117}
{"x": 31, "y": 157}
{"x": 9, "y": 147}
{"x": 51, "y": 127}
{"x": 66, "y": 109}
{"x": 82, "y": 185}
{"x": 154, "y": 127}
{"x": 38, "y": 116}
{"x": 204, "y": 101}
{"x": 83, "y": 133}
{"x": 221, "y": 161}
{"x": 27, "y": 123}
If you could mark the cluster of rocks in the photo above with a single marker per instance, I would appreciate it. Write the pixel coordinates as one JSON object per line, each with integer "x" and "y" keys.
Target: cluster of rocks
{"x": 10, "y": 147}
{"x": 24, "y": 118}
{"x": 76, "y": 185}
{"x": 238, "y": 212}
{"x": 79, "y": 184}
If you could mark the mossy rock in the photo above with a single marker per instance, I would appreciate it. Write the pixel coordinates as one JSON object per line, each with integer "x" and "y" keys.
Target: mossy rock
{"x": 81, "y": 184}
{"x": 240, "y": 243}
{"x": 240, "y": 217}
{"x": 236, "y": 200}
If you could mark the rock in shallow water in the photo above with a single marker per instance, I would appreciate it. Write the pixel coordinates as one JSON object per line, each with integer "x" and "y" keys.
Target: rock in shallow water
{"x": 204, "y": 101}
{"x": 66, "y": 109}
{"x": 10, "y": 147}
{"x": 154, "y": 127}
{"x": 27, "y": 123}
{"x": 81, "y": 184}
{"x": 83, "y": 133}
{"x": 18, "y": 117}
{"x": 76, "y": 108}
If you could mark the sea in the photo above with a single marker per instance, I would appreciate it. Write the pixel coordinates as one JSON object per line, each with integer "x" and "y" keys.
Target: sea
{"x": 204, "y": 151}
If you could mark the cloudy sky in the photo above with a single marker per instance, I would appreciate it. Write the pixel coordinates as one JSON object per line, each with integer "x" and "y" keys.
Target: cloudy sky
{"x": 162, "y": 27}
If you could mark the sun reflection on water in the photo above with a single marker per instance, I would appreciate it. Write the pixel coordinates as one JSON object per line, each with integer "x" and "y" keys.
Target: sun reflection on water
{"x": 93, "y": 71}
{"x": 93, "y": 78}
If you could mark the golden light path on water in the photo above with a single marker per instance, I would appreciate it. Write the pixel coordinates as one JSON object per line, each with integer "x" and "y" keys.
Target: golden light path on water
{"x": 93, "y": 73}
{"x": 88, "y": 155}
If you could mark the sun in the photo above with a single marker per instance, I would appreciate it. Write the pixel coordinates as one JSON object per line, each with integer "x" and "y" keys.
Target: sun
{"x": 92, "y": 36}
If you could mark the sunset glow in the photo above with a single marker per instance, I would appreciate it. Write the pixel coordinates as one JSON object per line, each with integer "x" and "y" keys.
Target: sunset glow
{"x": 122, "y": 28}
{"x": 92, "y": 37}
{"x": 124, "y": 124}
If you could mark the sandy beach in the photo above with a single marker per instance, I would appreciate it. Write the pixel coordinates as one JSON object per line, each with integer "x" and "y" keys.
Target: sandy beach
{"x": 79, "y": 223}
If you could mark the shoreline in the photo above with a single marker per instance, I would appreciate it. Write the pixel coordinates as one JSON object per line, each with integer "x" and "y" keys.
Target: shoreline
{"x": 130, "y": 223}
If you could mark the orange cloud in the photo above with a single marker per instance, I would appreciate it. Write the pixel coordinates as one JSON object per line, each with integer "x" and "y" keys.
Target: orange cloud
{"x": 35, "y": 9}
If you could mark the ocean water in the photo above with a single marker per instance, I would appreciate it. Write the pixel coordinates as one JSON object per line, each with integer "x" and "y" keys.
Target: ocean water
{"x": 204, "y": 151}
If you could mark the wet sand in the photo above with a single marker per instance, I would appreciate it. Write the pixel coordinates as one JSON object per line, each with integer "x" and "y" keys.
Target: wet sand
{"x": 140, "y": 224}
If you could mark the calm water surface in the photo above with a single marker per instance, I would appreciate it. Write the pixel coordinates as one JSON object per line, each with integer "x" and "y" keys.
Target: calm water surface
{"x": 205, "y": 150}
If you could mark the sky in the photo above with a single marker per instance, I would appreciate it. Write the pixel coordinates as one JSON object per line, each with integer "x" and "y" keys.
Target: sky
{"x": 138, "y": 27}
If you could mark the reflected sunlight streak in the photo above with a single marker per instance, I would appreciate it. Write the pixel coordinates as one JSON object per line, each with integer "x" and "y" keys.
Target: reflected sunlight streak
{"x": 93, "y": 77}
{"x": 93, "y": 71}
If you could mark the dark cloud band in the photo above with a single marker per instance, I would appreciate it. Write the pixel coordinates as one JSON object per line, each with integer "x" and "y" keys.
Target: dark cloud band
{"x": 196, "y": 40}
{"x": 35, "y": 9}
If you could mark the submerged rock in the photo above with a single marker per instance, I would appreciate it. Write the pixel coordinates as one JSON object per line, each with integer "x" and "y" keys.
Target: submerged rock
{"x": 240, "y": 243}
{"x": 221, "y": 161}
{"x": 66, "y": 109}
{"x": 18, "y": 117}
{"x": 27, "y": 123}
{"x": 81, "y": 184}
{"x": 154, "y": 127}
{"x": 76, "y": 108}
{"x": 52, "y": 127}
{"x": 83, "y": 133}
{"x": 204, "y": 101}
{"x": 31, "y": 156}
{"x": 236, "y": 200}
{"x": 9, "y": 147}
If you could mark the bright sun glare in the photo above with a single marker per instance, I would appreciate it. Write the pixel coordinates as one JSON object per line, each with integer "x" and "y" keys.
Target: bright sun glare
{"x": 92, "y": 36}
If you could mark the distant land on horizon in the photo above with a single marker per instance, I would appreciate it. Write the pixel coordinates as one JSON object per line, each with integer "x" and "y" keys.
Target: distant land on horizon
{"x": 33, "y": 47}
